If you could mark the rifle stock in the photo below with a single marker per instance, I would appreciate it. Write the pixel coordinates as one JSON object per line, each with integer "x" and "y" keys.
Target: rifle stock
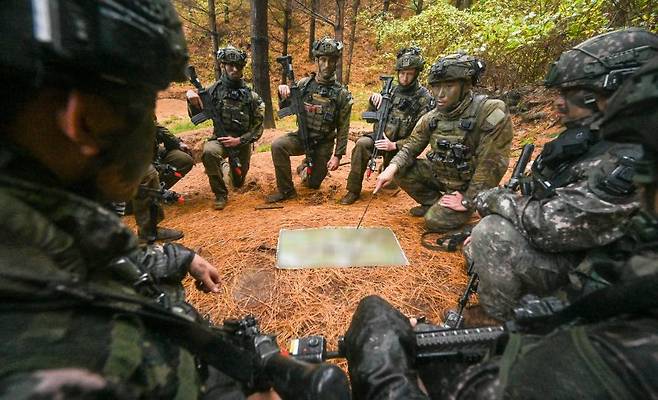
{"x": 520, "y": 166}
{"x": 209, "y": 112}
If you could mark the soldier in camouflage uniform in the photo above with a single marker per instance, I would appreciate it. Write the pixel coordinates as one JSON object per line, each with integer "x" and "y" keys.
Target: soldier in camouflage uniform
{"x": 82, "y": 133}
{"x": 328, "y": 107}
{"x": 173, "y": 160}
{"x": 470, "y": 137}
{"x": 603, "y": 346}
{"x": 242, "y": 112}
{"x": 409, "y": 102}
{"x": 582, "y": 191}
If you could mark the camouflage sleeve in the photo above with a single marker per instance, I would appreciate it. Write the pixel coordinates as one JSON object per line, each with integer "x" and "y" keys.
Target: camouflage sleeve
{"x": 258, "y": 115}
{"x": 168, "y": 139}
{"x": 575, "y": 218}
{"x": 415, "y": 144}
{"x": 343, "y": 128}
{"x": 492, "y": 152}
{"x": 168, "y": 263}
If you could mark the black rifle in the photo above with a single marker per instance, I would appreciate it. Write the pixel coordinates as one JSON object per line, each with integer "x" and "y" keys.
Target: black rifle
{"x": 455, "y": 319}
{"x": 440, "y": 344}
{"x": 515, "y": 181}
{"x": 381, "y": 118}
{"x": 155, "y": 197}
{"x": 209, "y": 112}
{"x": 297, "y": 108}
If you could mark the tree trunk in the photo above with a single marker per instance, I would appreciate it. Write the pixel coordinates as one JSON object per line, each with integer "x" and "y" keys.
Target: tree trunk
{"x": 214, "y": 35}
{"x": 418, "y": 6}
{"x": 387, "y": 3}
{"x": 287, "y": 18}
{"x": 339, "y": 30}
{"x": 355, "y": 12}
{"x": 463, "y": 4}
{"x": 260, "y": 64}
{"x": 311, "y": 29}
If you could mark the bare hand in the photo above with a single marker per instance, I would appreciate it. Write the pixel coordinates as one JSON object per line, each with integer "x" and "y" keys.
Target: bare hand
{"x": 205, "y": 274}
{"x": 185, "y": 148}
{"x": 193, "y": 98}
{"x": 385, "y": 177}
{"x": 467, "y": 241}
{"x": 376, "y": 100}
{"x": 385, "y": 144}
{"x": 453, "y": 201}
{"x": 284, "y": 91}
{"x": 229, "y": 141}
{"x": 333, "y": 163}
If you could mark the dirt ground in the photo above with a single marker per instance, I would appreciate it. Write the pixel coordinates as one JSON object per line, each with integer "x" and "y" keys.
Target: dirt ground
{"x": 241, "y": 242}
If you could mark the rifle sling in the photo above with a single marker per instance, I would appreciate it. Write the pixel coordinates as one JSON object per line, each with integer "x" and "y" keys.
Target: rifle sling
{"x": 206, "y": 343}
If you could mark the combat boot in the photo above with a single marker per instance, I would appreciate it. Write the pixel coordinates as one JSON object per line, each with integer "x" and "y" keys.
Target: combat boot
{"x": 419, "y": 211}
{"x": 349, "y": 198}
{"x": 220, "y": 202}
{"x": 278, "y": 196}
{"x": 163, "y": 235}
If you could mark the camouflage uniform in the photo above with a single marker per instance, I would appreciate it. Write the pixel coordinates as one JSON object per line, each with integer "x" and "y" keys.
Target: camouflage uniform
{"x": 328, "y": 108}
{"x": 408, "y": 104}
{"x": 242, "y": 112}
{"x": 62, "y": 255}
{"x": 603, "y": 347}
{"x": 167, "y": 153}
{"x": 582, "y": 195}
{"x": 469, "y": 153}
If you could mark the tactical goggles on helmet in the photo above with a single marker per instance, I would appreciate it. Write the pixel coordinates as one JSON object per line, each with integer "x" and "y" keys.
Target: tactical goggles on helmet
{"x": 233, "y": 56}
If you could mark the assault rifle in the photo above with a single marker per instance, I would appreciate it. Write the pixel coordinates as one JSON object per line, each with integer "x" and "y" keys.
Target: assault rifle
{"x": 455, "y": 319}
{"x": 440, "y": 344}
{"x": 209, "y": 112}
{"x": 515, "y": 181}
{"x": 381, "y": 117}
{"x": 297, "y": 108}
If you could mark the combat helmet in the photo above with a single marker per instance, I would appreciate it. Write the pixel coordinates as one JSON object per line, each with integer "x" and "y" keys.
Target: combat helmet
{"x": 233, "y": 56}
{"x": 632, "y": 112}
{"x": 456, "y": 66}
{"x": 602, "y": 62}
{"x": 408, "y": 58}
{"x": 128, "y": 43}
{"x": 327, "y": 47}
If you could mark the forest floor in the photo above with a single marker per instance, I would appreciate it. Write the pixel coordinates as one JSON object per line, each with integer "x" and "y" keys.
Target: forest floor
{"x": 241, "y": 241}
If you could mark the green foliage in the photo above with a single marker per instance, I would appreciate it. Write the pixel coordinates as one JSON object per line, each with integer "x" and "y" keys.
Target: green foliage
{"x": 178, "y": 125}
{"x": 516, "y": 38}
{"x": 264, "y": 148}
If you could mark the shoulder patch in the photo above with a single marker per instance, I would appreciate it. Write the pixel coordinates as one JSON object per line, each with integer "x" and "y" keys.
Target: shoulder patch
{"x": 495, "y": 118}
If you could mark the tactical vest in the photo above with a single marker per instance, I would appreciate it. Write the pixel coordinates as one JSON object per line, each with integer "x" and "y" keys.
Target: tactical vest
{"x": 235, "y": 108}
{"x": 454, "y": 143}
{"x": 406, "y": 109}
{"x": 321, "y": 103}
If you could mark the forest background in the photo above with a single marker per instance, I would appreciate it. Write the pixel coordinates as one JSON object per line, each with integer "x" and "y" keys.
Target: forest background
{"x": 517, "y": 38}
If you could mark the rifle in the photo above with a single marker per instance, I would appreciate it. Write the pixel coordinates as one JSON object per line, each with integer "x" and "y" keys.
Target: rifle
{"x": 209, "y": 112}
{"x": 297, "y": 108}
{"x": 455, "y": 319}
{"x": 380, "y": 116}
{"x": 519, "y": 169}
{"x": 434, "y": 343}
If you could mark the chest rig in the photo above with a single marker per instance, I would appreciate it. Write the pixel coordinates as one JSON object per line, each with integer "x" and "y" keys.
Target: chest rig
{"x": 453, "y": 143}
{"x": 321, "y": 102}
{"x": 553, "y": 168}
{"x": 405, "y": 111}
{"x": 234, "y": 105}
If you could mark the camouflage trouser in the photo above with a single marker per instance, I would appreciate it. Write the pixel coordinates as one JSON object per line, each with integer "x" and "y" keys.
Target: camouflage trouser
{"x": 178, "y": 159}
{"x": 213, "y": 158}
{"x": 291, "y": 145}
{"x": 142, "y": 206}
{"x": 423, "y": 186}
{"x": 359, "y": 162}
{"x": 509, "y": 267}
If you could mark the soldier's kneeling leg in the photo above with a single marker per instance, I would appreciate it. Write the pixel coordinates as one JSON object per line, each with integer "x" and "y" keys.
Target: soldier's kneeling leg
{"x": 509, "y": 267}
{"x": 443, "y": 219}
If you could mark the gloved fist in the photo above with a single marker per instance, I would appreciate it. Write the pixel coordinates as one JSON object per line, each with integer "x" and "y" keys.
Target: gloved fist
{"x": 380, "y": 350}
